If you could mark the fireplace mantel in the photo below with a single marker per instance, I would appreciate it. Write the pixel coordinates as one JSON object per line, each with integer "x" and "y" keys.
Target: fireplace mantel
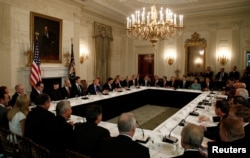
{"x": 47, "y": 72}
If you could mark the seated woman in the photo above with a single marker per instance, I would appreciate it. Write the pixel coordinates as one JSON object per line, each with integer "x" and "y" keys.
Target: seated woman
{"x": 196, "y": 85}
{"x": 17, "y": 115}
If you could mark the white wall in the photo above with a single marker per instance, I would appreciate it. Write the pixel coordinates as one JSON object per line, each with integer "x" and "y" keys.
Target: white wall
{"x": 232, "y": 31}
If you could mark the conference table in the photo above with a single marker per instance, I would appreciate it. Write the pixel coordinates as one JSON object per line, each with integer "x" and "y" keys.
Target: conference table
{"x": 115, "y": 103}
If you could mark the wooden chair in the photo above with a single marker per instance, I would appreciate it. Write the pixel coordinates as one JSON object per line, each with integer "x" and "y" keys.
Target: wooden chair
{"x": 9, "y": 143}
{"x": 29, "y": 149}
{"x": 73, "y": 154}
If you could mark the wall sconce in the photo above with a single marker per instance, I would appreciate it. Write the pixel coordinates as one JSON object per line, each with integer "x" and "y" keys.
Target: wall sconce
{"x": 170, "y": 59}
{"x": 83, "y": 55}
{"x": 198, "y": 62}
{"x": 223, "y": 57}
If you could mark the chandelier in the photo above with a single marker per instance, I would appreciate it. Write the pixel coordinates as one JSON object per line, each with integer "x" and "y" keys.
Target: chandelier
{"x": 151, "y": 28}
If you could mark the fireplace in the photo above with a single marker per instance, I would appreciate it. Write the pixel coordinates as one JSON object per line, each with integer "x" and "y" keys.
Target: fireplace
{"x": 49, "y": 75}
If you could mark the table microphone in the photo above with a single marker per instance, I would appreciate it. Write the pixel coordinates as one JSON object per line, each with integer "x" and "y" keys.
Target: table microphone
{"x": 171, "y": 139}
{"x": 144, "y": 138}
{"x": 193, "y": 113}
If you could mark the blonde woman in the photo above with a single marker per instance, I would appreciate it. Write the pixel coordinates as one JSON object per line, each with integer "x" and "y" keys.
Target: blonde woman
{"x": 18, "y": 113}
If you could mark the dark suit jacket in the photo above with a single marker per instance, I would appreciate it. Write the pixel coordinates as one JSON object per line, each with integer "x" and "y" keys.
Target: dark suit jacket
{"x": 3, "y": 118}
{"x": 235, "y": 75}
{"x": 91, "y": 89}
{"x": 87, "y": 137}
{"x": 65, "y": 93}
{"x": 55, "y": 94}
{"x": 64, "y": 133}
{"x": 33, "y": 95}
{"x": 204, "y": 85}
{"x": 123, "y": 147}
{"x": 144, "y": 83}
{"x": 76, "y": 91}
{"x": 247, "y": 132}
{"x": 186, "y": 86}
{"x": 13, "y": 99}
{"x": 40, "y": 127}
{"x": 106, "y": 87}
{"x": 171, "y": 84}
{"x": 127, "y": 84}
{"x": 190, "y": 154}
{"x": 225, "y": 76}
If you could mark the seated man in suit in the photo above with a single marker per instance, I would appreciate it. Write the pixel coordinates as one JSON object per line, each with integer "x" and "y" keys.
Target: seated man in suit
{"x": 55, "y": 92}
{"x": 108, "y": 86}
{"x": 156, "y": 82}
{"x": 77, "y": 89}
{"x": 184, "y": 83}
{"x": 36, "y": 91}
{"x": 221, "y": 78}
{"x": 87, "y": 136}
{"x": 191, "y": 139}
{"x": 241, "y": 113}
{"x": 164, "y": 81}
{"x": 4, "y": 100}
{"x": 207, "y": 85}
{"x": 19, "y": 90}
{"x": 127, "y": 82}
{"x": 123, "y": 145}
{"x": 66, "y": 91}
{"x": 63, "y": 128}
{"x": 94, "y": 88}
{"x": 40, "y": 123}
{"x": 173, "y": 83}
{"x": 146, "y": 81}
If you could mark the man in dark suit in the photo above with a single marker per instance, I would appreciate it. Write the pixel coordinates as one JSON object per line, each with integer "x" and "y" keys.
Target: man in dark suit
{"x": 40, "y": 123}
{"x": 156, "y": 82}
{"x": 108, "y": 86}
{"x": 164, "y": 82}
{"x": 173, "y": 83}
{"x": 123, "y": 145}
{"x": 184, "y": 83}
{"x": 209, "y": 73}
{"x": 207, "y": 85}
{"x": 127, "y": 82}
{"x": 19, "y": 90}
{"x": 191, "y": 139}
{"x": 138, "y": 80}
{"x": 234, "y": 73}
{"x": 221, "y": 78}
{"x": 4, "y": 100}
{"x": 66, "y": 91}
{"x": 94, "y": 88}
{"x": 55, "y": 92}
{"x": 36, "y": 91}
{"x": 77, "y": 89}
{"x": 64, "y": 130}
{"x": 87, "y": 136}
{"x": 146, "y": 81}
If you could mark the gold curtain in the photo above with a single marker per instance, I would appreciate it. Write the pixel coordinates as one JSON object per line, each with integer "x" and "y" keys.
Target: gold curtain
{"x": 103, "y": 37}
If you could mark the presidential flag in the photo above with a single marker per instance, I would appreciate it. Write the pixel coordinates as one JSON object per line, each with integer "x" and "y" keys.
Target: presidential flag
{"x": 35, "y": 75}
{"x": 72, "y": 72}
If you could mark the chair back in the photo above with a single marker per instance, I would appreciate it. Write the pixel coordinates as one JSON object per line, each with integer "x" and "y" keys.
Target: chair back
{"x": 9, "y": 142}
{"x": 28, "y": 148}
{"x": 73, "y": 154}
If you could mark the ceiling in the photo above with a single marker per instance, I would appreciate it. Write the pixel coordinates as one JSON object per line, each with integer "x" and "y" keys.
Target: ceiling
{"x": 119, "y": 10}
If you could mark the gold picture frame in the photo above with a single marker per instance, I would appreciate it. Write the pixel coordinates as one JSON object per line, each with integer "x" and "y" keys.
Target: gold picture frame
{"x": 50, "y": 37}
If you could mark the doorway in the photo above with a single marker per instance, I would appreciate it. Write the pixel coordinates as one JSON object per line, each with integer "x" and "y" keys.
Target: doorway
{"x": 146, "y": 65}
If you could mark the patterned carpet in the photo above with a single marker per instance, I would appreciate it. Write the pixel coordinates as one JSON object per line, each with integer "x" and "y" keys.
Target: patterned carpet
{"x": 150, "y": 116}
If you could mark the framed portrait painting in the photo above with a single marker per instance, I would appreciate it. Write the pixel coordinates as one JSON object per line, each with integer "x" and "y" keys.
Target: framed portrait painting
{"x": 49, "y": 39}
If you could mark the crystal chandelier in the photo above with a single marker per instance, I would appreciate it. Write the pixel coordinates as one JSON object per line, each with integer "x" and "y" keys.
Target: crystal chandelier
{"x": 151, "y": 28}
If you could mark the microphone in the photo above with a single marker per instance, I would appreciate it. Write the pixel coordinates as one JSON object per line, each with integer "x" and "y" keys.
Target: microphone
{"x": 171, "y": 139}
{"x": 193, "y": 113}
{"x": 144, "y": 138}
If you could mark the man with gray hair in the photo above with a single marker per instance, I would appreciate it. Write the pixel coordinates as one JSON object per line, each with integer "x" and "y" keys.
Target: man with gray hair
{"x": 123, "y": 146}
{"x": 191, "y": 139}
{"x": 19, "y": 90}
{"x": 63, "y": 128}
{"x": 242, "y": 92}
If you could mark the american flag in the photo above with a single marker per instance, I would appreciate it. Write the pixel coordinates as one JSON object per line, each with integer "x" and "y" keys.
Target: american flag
{"x": 35, "y": 74}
